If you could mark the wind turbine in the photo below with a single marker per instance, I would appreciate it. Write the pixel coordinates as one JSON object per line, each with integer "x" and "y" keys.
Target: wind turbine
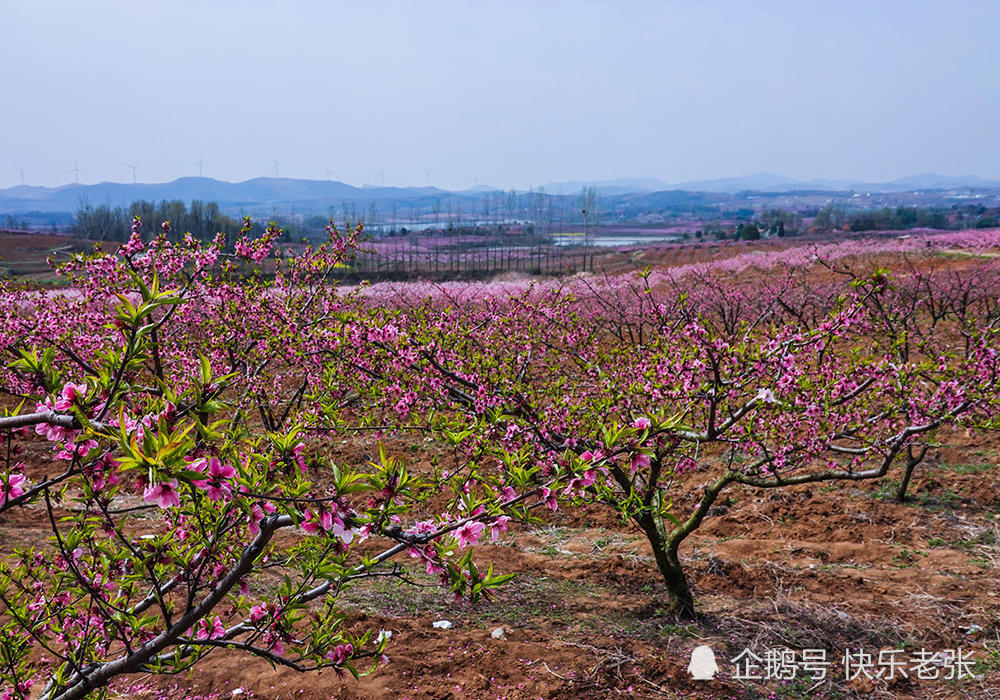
{"x": 201, "y": 166}
{"x": 133, "y": 169}
{"x": 329, "y": 174}
{"x": 428, "y": 176}
{"x": 22, "y": 174}
{"x": 276, "y": 164}
{"x": 382, "y": 174}
{"x": 76, "y": 171}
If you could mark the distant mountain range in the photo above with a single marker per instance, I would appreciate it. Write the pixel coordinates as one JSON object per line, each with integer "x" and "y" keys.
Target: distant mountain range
{"x": 248, "y": 196}
{"x": 620, "y": 185}
{"x": 769, "y": 182}
{"x": 265, "y": 194}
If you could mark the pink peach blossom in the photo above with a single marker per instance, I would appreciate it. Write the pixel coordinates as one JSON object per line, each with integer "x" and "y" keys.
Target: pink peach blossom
{"x": 163, "y": 493}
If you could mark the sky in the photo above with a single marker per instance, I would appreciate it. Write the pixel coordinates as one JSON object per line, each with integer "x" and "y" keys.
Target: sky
{"x": 506, "y": 93}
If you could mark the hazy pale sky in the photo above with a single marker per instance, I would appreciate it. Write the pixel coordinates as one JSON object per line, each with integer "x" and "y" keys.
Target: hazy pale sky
{"x": 508, "y": 93}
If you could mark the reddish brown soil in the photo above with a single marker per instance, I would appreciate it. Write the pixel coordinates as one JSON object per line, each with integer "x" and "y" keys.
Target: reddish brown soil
{"x": 838, "y": 566}
{"x": 24, "y": 255}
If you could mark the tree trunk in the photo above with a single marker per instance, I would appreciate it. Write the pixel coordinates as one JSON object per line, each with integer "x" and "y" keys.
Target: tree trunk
{"x": 912, "y": 460}
{"x": 681, "y": 600}
{"x": 665, "y": 545}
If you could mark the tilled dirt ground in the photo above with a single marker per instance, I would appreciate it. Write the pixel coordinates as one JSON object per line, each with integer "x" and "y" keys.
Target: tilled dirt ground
{"x": 837, "y": 567}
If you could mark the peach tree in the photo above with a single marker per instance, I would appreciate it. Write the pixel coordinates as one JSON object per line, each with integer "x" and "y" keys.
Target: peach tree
{"x": 653, "y": 401}
{"x": 161, "y": 494}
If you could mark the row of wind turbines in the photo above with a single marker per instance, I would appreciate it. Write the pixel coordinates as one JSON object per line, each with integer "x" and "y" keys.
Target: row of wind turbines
{"x": 133, "y": 166}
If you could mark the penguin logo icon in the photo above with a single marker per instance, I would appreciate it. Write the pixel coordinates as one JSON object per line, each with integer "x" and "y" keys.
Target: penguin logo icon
{"x": 703, "y": 666}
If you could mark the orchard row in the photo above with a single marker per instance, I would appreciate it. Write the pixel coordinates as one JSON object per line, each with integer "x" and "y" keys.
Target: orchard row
{"x": 185, "y": 399}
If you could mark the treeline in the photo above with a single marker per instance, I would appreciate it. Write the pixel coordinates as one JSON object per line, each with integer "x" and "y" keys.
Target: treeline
{"x": 11, "y": 223}
{"x": 888, "y": 219}
{"x": 202, "y": 220}
{"x": 772, "y": 222}
{"x": 833, "y": 217}
{"x": 535, "y": 212}
{"x": 778, "y": 222}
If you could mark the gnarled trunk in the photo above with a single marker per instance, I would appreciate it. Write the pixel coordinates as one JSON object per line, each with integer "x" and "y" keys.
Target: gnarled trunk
{"x": 666, "y": 544}
{"x": 912, "y": 460}
{"x": 680, "y": 598}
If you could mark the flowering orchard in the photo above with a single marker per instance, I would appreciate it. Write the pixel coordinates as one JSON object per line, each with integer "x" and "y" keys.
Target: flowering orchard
{"x": 185, "y": 512}
{"x": 164, "y": 423}
{"x": 638, "y": 392}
